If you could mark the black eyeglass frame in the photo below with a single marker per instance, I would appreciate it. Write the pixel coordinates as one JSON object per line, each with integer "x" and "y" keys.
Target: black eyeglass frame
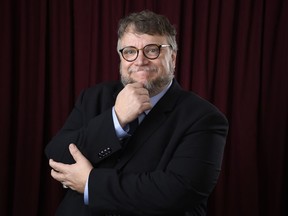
{"x": 159, "y": 46}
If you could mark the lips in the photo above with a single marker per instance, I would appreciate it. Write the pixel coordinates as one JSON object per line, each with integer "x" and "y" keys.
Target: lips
{"x": 142, "y": 69}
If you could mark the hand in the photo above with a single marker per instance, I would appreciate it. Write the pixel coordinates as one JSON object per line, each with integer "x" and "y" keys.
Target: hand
{"x": 74, "y": 175}
{"x": 131, "y": 102}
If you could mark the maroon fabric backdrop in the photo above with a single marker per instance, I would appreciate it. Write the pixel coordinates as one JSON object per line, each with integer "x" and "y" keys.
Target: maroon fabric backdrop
{"x": 231, "y": 52}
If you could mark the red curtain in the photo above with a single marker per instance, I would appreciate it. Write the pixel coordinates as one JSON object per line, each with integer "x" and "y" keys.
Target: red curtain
{"x": 231, "y": 52}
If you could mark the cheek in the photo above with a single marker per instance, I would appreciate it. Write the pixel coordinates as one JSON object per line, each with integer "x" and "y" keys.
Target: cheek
{"x": 171, "y": 61}
{"x": 165, "y": 64}
{"x": 123, "y": 67}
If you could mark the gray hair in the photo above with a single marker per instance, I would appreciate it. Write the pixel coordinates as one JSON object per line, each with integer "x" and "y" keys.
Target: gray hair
{"x": 148, "y": 22}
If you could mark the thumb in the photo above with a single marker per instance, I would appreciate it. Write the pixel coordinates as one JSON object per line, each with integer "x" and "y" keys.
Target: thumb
{"x": 74, "y": 151}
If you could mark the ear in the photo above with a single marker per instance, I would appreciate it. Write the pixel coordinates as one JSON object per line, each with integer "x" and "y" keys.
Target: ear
{"x": 173, "y": 56}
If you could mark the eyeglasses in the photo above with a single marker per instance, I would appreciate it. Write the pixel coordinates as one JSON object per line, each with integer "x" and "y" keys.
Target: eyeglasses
{"x": 150, "y": 51}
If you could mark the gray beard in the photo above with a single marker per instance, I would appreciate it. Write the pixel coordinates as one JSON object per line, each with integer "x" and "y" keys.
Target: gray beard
{"x": 154, "y": 86}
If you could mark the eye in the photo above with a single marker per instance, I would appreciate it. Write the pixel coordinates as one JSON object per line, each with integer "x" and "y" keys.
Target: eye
{"x": 151, "y": 50}
{"x": 129, "y": 51}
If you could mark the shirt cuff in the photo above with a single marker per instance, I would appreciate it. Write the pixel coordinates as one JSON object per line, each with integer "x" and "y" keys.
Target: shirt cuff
{"x": 86, "y": 193}
{"x": 120, "y": 132}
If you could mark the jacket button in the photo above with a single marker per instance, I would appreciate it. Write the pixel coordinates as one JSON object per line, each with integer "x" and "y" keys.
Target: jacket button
{"x": 104, "y": 152}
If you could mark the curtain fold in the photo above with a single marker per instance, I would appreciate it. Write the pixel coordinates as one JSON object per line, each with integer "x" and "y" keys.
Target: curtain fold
{"x": 233, "y": 53}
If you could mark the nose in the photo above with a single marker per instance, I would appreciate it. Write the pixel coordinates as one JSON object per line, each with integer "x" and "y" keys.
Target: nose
{"x": 141, "y": 59}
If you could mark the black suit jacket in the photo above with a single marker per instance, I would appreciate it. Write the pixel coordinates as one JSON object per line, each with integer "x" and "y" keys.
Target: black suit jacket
{"x": 168, "y": 167}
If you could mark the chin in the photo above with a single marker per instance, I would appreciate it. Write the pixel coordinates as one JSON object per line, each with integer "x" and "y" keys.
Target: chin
{"x": 144, "y": 81}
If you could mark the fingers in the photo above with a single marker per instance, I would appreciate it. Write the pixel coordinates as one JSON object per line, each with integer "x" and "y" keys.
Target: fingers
{"x": 73, "y": 175}
{"x": 74, "y": 151}
{"x": 57, "y": 170}
{"x": 137, "y": 89}
{"x": 60, "y": 177}
{"x": 60, "y": 167}
{"x": 56, "y": 166}
{"x": 136, "y": 85}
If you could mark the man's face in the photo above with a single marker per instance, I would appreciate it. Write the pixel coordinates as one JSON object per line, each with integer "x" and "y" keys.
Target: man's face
{"x": 154, "y": 74}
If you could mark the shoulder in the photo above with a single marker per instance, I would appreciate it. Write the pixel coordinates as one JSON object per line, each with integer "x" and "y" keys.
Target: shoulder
{"x": 101, "y": 94}
{"x": 188, "y": 102}
{"x": 197, "y": 101}
{"x": 189, "y": 99}
{"x": 109, "y": 88}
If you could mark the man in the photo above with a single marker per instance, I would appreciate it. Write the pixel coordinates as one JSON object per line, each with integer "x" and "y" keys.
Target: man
{"x": 169, "y": 164}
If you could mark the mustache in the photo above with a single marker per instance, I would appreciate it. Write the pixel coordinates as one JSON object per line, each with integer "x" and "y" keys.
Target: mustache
{"x": 148, "y": 69}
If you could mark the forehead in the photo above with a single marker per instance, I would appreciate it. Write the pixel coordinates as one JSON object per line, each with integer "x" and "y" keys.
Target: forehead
{"x": 132, "y": 38}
